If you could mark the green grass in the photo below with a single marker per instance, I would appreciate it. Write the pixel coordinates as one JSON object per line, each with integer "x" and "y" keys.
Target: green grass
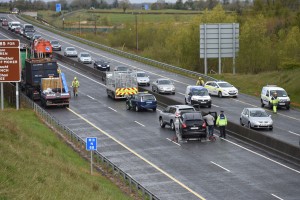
{"x": 252, "y": 83}
{"x": 36, "y": 164}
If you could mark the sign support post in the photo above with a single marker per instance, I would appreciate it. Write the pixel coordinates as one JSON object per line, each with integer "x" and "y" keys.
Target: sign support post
{"x": 17, "y": 96}
{"x": 2, "y": 101}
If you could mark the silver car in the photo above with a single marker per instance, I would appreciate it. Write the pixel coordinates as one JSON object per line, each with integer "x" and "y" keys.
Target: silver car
{"x": 163, "y": 85}
{"x": 70, "y": 51}
{"x": 142, "y": 78}
{"x": 256, "y": 118}
{"x": 84, "y": 57}
{"x": 168, "y": 115}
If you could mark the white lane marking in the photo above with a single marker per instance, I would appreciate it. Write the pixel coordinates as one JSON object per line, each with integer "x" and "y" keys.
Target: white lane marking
{"x": 81, "y": 74}
{"x": 181, "y": 93}
{"x": 112, "y": 109}
{"x": 294, "y": 133}
{"x": 139, "y": 156}
{"x": 173, "y": 142}
{"x": 220, "y": 166}
{"x": 266, "y": 109}
{"x": 261, "y": 155}
{"x": 5, "y": 35}
{"x": 215, "y": 105}
{"x": 158, "y": 109}
{"x": 90, "y": 97}
{"x": 277, "y": 197}
{"x": 139, "y": 123}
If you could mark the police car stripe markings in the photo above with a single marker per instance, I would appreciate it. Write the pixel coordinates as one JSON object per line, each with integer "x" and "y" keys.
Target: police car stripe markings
{"x": 139, "y": 156}
{"x": 139, "y": 123}
{"x": 112, "y": 109}
{"x": 277, "y": 197}
{"x": 294, "y": 133}
{"x": 220, "y": 166}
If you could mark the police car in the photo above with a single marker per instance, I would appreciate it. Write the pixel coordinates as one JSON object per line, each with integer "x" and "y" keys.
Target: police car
{"x": 268, "y": 91}
{"x": 141, "y": 101}
{"x": 221, "y": 89}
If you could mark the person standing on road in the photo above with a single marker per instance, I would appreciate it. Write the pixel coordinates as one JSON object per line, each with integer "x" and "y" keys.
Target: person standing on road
{"x": 274, "y": 101}
{"x": 200, "y": 81}
{"x": 222, "y": 123}
{"x": 75, "y": 85}
{"x": 210, "y": 120}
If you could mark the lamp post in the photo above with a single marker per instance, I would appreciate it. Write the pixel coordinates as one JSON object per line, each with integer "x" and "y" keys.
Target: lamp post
{"x": 136, "y": 33}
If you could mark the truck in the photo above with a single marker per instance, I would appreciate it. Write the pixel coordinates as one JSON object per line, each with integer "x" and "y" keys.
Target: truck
{"x": 41, "y": 77}
{"x": 120, "y": 84}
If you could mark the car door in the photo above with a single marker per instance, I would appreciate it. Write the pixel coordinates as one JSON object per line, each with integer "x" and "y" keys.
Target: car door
{"x": 266, "y": 97}
{"x": 172, "y": 112}
{"x": 165, "y": 113}
{"x": 243, "y": 116}
{"x": 246, "y": 117}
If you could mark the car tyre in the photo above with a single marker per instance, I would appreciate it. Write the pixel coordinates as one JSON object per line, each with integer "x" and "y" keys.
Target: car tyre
{"x": 127, "y": 106}
{"x": 154, "y": 109}
{"x": 161, "y": 123}
{"x": 249, "y": 125}
{"x": 271, "y": 129}
{"x": 220, "y": 95}
{"x": 262, "y": 103}
{"x": 288, "y": 107}
{"x": 185, "y": 101}
{"x": 172, "y": 125}
{"x": 241, "y": 122}
{"x": 173, "y": 93}
{"x": 153, "y": 90}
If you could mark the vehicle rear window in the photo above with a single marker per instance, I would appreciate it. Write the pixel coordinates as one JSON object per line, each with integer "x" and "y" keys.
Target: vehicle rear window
{"x": 193, "y": 122}
{"x": 186, "y": 109}
{"x": 148, "y": 97}
{"x": 192, "y": 116}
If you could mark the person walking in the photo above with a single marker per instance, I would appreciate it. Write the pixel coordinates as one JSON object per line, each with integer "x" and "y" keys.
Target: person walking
{"x": 200, "y": 81}
{"x": 75, "y": 85}
{"x": 210, "y": 120}
{"x": 274, "y": 101}
{"x": 222, "y": 123}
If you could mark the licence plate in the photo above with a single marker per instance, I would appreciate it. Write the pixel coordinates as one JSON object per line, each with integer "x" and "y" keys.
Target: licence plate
{"x": 281, "y": 103}
{"x": 202, "y": 102}
{"x": 194, "y": 128}
{"x": 148, "y": 102}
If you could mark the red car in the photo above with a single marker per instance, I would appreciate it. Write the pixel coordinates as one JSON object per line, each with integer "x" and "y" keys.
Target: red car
{"x": 4, "y": 23}
{"x": 18, "y": 30}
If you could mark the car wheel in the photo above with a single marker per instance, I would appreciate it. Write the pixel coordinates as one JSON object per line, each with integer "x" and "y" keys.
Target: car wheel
{"x": 136, "y": 109}
{"x": 172, "y": 125}
{"x": 270, "y": 105}
{"x": 241, "y": 122}
{"x": 271, "y": 128}
{"x": 161, "y": 123}
{"x": 262, "y": 103}
{"x": 185, "y": 101}
{"x": 154, "y": 109}
{"x": 153, "y": 90}
{"x": 220, "y": 94}
{"x": 249, "y": 125}
{"x": 288, "y": 107}
{"x": 173, "y": 93}
{"x": 209, "y": 106}
{"x": 127, "y": 106}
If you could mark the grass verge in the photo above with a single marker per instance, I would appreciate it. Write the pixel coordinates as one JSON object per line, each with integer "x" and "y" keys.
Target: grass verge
{"x": 36, "y": 164}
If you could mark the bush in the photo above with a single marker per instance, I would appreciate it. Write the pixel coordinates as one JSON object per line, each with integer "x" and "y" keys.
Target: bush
{"x": 289, "y": 65}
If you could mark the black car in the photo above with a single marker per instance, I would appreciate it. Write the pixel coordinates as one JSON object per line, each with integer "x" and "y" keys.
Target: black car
{"x": 102, "y": 65}
{"x": 192, "y": 125}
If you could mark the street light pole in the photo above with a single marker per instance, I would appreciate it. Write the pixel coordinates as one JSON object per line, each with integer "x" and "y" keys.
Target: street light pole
{"x": 136, "y": 33}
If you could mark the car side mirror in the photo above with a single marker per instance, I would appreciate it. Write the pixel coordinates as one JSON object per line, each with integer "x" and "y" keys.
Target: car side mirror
{"x": 189, "y": 93}
{"x": 267, "y": 95}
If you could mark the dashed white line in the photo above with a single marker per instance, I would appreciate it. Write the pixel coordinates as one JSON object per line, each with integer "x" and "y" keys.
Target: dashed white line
{"x": 173, "y": 142}
{"x": 294, "y": 133}
{"x": 220, "y": 166}
{"x": 139, "y": 123}
{"x": 181, "y": 93}
{"x": 90, "y": 97}
{"x": 158, "y": 110}
{"x": 277, "y": 197}
{"x": 112, "y": 109}
{"x": 215, "y": 105}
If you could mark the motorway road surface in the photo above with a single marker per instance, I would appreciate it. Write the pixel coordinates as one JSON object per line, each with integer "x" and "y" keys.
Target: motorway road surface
{"x": 225, "y": 169}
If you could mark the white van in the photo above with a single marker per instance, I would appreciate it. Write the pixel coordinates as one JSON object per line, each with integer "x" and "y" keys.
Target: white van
{"x": 197, "y": 95}
{"x": 14, "y": 25}
{"x": 267, "y": 93}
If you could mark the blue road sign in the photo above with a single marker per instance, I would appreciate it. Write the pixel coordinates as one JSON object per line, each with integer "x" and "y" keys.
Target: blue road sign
{"x": 146, "y": 7}
{"x": 91, "y": 144}
{"x": 58, "y": 7}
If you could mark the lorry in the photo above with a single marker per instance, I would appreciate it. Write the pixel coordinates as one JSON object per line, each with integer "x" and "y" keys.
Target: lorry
{"x": 41, "y": 77}
{"x": 120, "y": 84}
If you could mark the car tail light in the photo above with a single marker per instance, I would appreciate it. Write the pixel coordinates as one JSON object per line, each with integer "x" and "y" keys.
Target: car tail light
{"x": 183, "y": 125}
{"x": 204, "y": 125}
{"x": 177, "y": 114}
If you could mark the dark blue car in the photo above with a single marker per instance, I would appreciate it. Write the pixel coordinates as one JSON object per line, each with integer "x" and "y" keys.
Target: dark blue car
{"x": 141, "y": 101}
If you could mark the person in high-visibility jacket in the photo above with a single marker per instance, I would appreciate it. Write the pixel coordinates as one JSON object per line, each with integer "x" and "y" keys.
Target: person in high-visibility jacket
{"x": 200, "y": 81}
{"x": 222, "y": 123}
{"x": 75, "y": 85}
{"x": 275, "y": 101}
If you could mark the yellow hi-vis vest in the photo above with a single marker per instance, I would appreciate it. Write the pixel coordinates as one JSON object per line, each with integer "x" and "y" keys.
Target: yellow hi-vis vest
{"x": 221, "y": 120}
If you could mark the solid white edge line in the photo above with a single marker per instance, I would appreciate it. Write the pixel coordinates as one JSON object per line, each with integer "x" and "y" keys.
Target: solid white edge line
{"x": 277, "y": 197}
{"x": 138, "y": 155}
{"x": 294, "y": 133}
{"x": 176, "y": 143}
{"x": 219, "y": 166}
{"x": 139, "y": 123}
{"x": 112, "y": 109}
{"x": 262, "y": 155}
{"x": 169, "y": 139}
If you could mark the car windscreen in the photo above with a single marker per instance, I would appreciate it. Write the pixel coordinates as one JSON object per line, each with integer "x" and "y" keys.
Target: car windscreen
{"x": 54, "y": 42}
{"x": 147, "y": 97}
{"x": 258, "y": 113}
{"x": 85, "y": 55}
{"x": 164, "y": 82}
{"x": 27, "y": 27}
{"x": 197, "y": 92}
{"x": 224, "y": 85}
{"x": 141, "y": 75}
{"x": 280, "y": 93}
{"x": 71, "y": 49}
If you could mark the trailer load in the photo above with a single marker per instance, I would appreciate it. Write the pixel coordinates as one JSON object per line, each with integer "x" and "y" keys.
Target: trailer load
{"x": 41, "y": 48}
{"x": 119, "y": 85}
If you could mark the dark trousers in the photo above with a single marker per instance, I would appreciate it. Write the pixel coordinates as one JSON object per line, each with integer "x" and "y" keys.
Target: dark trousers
{"x": 210, "y": 130}
{"x": 222, "y": 131}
